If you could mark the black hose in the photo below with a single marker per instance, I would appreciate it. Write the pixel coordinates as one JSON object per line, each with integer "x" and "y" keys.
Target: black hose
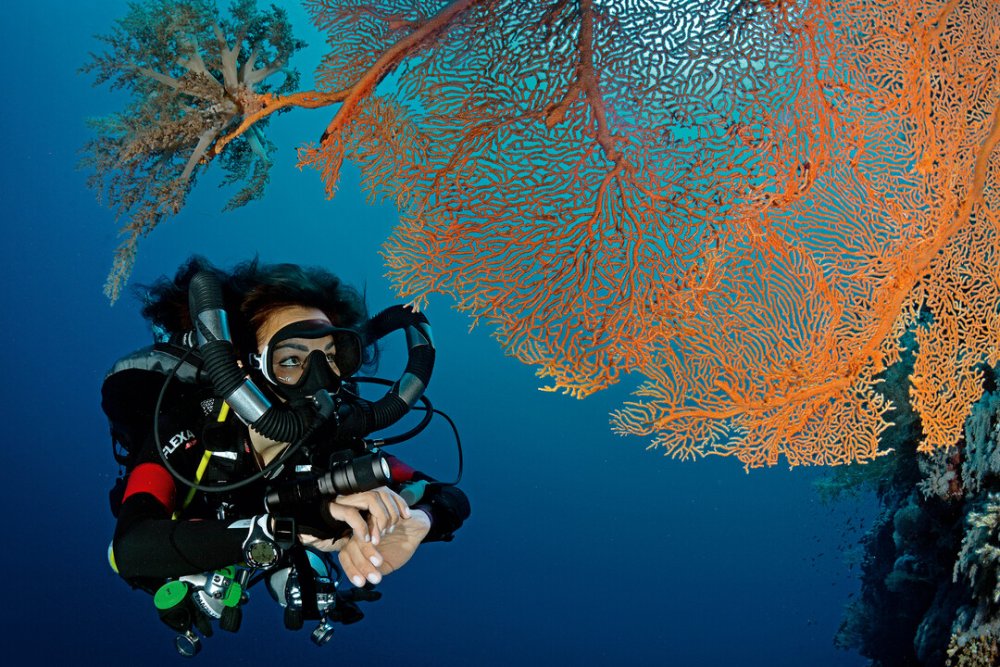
{"x": 420, "y": 364}
{"x": 228, "y": 379}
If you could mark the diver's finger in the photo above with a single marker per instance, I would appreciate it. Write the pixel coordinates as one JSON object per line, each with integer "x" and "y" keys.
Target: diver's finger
{"x": 351, "y": 570}
{"x": 370, "y": 501}
{"x": 358, "y": 560}
{"x": 370, "y": 554}
{"x": 391, "y": 508}
{"x": 362, "y": 501}
{"x": 351, "y": 517}
{"x": 404, "y": 509}
{"x": 378, "y": 511}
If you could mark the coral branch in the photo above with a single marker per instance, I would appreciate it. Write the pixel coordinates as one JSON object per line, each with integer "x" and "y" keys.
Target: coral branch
{"x": 586, "y": 83}
{"x": 363, "y": 87}
{"x": 388, "y": 60}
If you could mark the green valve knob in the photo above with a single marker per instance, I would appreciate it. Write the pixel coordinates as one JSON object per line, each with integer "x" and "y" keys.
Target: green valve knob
{"x": 233, "y": 595}
{"x": 170, "y": 594}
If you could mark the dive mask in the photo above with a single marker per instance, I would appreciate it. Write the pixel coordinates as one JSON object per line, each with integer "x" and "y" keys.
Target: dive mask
{"x": 307, "y": 356}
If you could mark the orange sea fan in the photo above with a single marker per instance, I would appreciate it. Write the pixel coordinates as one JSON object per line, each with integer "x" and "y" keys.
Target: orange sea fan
{"x": 749, "y": 208}
{"x": 746, "y": 201}
{"x": 572, "y": 178}
{"x": 899, "y": 219}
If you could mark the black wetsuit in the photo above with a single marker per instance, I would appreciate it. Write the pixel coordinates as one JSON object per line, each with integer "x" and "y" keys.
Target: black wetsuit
{"x": 149, "y": 545}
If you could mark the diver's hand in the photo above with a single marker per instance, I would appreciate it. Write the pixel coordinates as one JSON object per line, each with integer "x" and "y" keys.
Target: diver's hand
{"x": 349, "y": 515}
{"x": 384, "y": 506}
{"x": 323, "y": 544}
{"x": 385, "y": 509}
{"x": 362, "y": 561}
{"x": 399, "y": 546}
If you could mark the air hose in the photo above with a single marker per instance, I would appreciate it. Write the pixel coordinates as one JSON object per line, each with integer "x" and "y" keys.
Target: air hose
{"x": 407, "y": 390}
{"x": 215, "y": 344}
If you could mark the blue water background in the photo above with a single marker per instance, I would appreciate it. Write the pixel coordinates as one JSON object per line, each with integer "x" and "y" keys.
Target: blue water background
{"x": 583, "y": 547}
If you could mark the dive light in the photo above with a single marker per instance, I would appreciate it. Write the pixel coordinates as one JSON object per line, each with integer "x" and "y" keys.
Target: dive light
{"x": 362, "y": 473}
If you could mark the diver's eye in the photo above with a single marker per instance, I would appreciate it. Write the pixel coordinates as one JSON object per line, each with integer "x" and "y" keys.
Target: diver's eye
{"x": 290, "y": 362}
{"x": 331, "y": 357}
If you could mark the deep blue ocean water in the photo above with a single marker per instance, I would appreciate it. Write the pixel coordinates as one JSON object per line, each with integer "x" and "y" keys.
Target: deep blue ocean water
{"x": 583, "y": 548}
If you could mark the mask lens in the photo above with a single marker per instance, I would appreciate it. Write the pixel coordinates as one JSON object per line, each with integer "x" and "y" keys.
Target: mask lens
{"x": 290, "y": 358}
{"x": 295, "y": 347}
{"x": 348, "y": 356}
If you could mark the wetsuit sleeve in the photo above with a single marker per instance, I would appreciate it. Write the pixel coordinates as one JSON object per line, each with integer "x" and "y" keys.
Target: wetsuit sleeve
{"x": 147, "y": 542}
{"x": 447, "y": 505}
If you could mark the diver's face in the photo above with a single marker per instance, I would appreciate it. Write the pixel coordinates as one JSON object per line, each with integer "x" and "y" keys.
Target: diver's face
{"x": 290, "y": 357}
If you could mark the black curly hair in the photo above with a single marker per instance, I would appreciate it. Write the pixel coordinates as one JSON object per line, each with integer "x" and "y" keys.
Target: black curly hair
{"x": 252, "y": 291}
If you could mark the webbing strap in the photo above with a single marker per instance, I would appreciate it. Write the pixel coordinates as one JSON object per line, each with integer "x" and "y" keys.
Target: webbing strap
{"x": 202, "y": 465}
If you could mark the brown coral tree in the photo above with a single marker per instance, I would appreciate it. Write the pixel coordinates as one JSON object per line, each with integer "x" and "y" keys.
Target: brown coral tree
{"x": 747, "y": 201}
{"x": 192, "y": 76}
